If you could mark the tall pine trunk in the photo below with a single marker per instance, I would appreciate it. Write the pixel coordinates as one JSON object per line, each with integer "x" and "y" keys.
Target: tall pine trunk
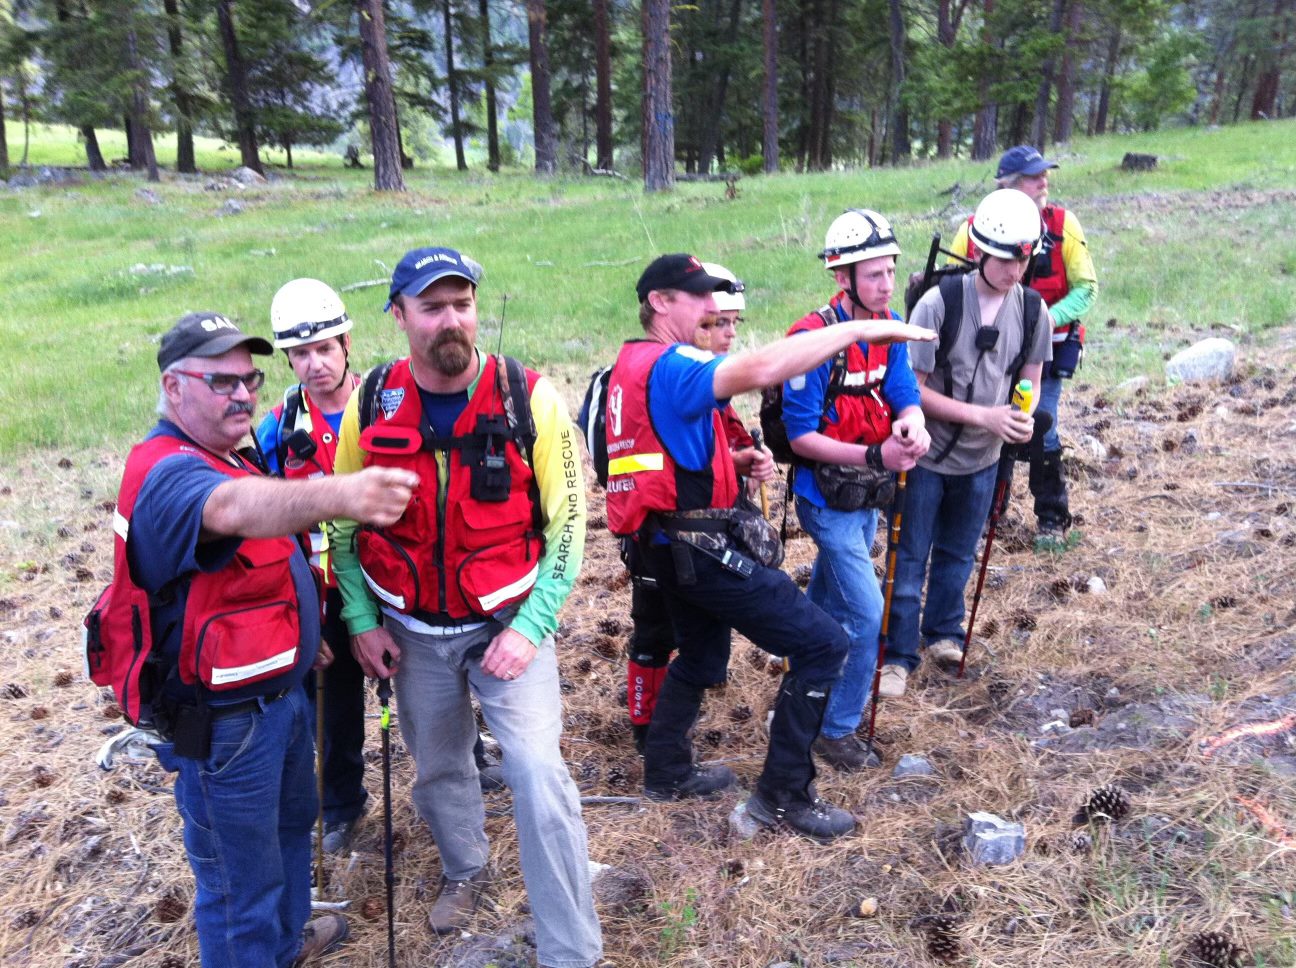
{"x": 901, "y": 147}
{"x": 658, "y": 121}
{"x": 1264, "y": 103}
{"x": 1109, "y": 73}
{"x": 709, "y": 142}
{"x": 602, "y": 86}
{"x": 1065, "y": 119}
{"x": 142, "y": 150}
{"x": 384, "y": 133}
{"x": 985, "y": 130}
{"x": 769, "y": 92}
{"x": 179, "y": 92}
{"x": 236, "y": 71}
{"x": 546, "y": 129}
{"x": 452, "y": 88}
{"x": 94, "y": 157}
{"x": 488, "y": 69}
{"x": 1039, "y": 124}
{"x": 4, "y": 141}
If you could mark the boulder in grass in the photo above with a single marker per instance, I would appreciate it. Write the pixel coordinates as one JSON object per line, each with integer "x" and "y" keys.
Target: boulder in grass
{"x": 246, "y": 176}
{"x": 1209, "y": 361}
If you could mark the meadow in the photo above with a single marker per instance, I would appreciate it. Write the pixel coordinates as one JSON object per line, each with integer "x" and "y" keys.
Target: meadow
{"x": 1155, "y": 651}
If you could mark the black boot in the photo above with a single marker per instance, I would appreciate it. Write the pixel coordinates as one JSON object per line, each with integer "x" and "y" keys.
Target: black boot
{"x": 669, "y": 770}
{"x": 1048, "y": 485}
{"x": 785, "y": 792}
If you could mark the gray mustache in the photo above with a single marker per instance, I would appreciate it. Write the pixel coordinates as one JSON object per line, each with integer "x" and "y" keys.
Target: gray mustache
{"x": 239, "y": 406}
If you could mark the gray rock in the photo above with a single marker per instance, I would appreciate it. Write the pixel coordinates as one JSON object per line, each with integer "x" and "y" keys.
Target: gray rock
{"x": 991, "y": 840}
{"x": 913, "y": 765}
{"x": 1133, "y": 384}
{"x": 741, "y": 824}
{"x": 1096, "y": 586}
{"x": 1210, "y": 360}
{"x": 148, "y": 195}
{"x": 246, "y": 176}
{"x": 1094, "y": 447}
{"x": 232, "y": 206}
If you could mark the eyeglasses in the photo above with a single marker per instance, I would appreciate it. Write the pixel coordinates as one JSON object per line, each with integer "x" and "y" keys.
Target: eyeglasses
{"x": 223, "y": 384}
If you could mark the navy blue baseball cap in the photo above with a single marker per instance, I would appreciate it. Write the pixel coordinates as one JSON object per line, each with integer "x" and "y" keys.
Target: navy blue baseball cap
{"x": 1023, "y": 160}
{"x": 679, "y": 271}
{"x": 421, "y": 267}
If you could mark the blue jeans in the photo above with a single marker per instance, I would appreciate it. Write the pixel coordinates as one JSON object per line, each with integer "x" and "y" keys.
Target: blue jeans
{"x": 1050, "y": 393}
{"x": 845, "y": 586}
{"x": 433, "y": 686}
{"x": 248, "y": 811}
{"x": 943, "y": 518}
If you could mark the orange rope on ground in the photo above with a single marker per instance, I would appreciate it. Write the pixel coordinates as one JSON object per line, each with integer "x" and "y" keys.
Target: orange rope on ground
{"x": 1249, "y": 729}
{"x": 1267, "y": 820}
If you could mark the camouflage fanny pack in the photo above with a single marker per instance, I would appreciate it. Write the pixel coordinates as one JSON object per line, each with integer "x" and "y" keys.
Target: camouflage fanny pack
{"x": 848, "y": 488}
{"x": 716, "y": 530}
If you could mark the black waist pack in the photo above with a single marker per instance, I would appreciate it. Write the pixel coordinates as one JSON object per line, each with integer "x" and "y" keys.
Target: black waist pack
{"x": 850, "y": 488}
{"x": 715, "y": 530}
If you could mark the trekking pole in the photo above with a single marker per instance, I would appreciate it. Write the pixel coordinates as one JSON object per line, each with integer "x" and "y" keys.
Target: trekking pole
{"x": 1021, "y": 400}
{"x": 384, "y": 699}
{"x": 893, "y": 549}
{"x": 319, "y": 784}
{"x": 756, "y": 438}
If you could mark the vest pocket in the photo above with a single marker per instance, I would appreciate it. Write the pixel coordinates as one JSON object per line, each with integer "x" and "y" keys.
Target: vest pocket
{"x": 244, "y": 646}
{"x": 493, "y": 578}
{"x": 388, "y": 570}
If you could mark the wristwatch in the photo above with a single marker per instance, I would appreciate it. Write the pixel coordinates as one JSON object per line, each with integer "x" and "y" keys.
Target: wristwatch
{"x": 873, "y": 457}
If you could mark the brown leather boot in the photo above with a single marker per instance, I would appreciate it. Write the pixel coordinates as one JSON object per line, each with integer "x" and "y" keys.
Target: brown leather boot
{"x": 321, "y": 936}
{"x": 454, "y": 906}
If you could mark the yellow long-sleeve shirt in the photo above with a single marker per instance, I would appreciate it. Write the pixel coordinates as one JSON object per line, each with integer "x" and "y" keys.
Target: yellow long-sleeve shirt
{"x": 562, "y": 506}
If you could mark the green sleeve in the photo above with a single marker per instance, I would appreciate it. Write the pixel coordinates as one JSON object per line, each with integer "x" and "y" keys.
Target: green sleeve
{"x": 1082, "y": 280}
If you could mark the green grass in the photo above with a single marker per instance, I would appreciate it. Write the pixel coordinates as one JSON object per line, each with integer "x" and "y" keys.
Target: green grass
{"x": 80, "y": 329}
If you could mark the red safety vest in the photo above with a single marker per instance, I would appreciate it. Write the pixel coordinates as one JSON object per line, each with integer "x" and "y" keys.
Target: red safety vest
{"x": 295, "y": 413}
{"x": 862, "y": 415}
{"x": 642, "y": 475}
{"x": 240, "y": 623}
{"x": 735, "y": 430}
{"x": 454, "y": 555}
{"x": 1052, "y": 286}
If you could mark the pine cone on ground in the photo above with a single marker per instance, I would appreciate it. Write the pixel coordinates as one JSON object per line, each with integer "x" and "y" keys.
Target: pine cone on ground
{"x": 172, "y": 961}
{"x": 943, "y": 941}
{"x": 1214, "y": 949}
{"x": 1108, "y": 803}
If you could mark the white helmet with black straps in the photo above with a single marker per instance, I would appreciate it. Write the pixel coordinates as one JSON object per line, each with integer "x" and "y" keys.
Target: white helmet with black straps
{"x": 306, "y": 311}
{"x": 1007, "y": 224}
{"x": 733, "y": 299}
{"x": 855, "y": 235}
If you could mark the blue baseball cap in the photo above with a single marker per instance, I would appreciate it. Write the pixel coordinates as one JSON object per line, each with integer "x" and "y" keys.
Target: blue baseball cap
{"x": 421, "y": 267}
{"x": 1023, "y": 160}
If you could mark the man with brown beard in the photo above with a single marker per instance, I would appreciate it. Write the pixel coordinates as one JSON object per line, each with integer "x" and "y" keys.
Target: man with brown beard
{"x": 468, "y": 583}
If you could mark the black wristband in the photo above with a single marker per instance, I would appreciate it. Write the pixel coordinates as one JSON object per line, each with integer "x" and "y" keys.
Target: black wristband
{"x": 873, "y": 457}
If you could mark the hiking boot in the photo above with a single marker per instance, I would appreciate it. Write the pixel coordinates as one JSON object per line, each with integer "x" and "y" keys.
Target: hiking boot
{"x": 846, "y": 753}
{"x": 490, "y": 778}
{"x": 321, "y": 936}
{"x": 892, "y": 684}
{"x": 339, "y": 834}
{"x": 816, "y": 819}
{"x": 454, "y": 906}
{"x": 945, "y": 652}
{"x": 702, "y": 781}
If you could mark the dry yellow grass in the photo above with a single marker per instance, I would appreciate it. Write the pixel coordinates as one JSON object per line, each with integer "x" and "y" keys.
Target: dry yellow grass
{"x": 1188, "y": 523}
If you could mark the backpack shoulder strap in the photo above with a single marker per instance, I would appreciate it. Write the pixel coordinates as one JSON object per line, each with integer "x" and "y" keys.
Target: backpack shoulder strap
{"x": 292, "y": 405}
{"x": 374, "y": 381}
{"x": 951, "y": 290}
{"x": 1032, "y": 309}
{"x": 511, "y": 377}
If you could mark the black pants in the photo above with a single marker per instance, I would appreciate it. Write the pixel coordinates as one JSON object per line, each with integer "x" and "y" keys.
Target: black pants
{"x": 344, "y": 792}
{"x": 768, "y": 608}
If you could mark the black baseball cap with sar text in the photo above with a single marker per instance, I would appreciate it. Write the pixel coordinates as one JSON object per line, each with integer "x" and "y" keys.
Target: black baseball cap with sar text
{"x": 206, "y": 334}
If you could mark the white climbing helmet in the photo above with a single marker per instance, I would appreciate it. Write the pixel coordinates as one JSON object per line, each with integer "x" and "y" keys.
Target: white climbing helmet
{"x": 855, "y": 235}
{"x": 725, "y": 301}
{"x": 306, "y": 311}
{"x": 1007, "y": 224}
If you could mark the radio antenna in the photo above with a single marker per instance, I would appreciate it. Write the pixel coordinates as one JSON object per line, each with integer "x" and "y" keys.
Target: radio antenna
{"x": 499, "y": 343}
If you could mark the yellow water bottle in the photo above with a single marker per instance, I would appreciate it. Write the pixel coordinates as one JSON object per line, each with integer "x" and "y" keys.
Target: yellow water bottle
{"x": 1022, "y": 396}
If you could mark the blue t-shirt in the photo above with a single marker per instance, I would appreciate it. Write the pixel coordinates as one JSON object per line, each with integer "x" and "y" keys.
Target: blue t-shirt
{"x": 268, "y": 435}
{"x": 803, "y": 400}
{"x": 681, "y": 399}
{"x": 164, "y": 544}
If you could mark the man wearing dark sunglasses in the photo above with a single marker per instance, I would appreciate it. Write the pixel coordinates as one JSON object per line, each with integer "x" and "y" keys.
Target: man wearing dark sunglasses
{"x": 1062, "y": 272}
{"x": 204, "y": 545}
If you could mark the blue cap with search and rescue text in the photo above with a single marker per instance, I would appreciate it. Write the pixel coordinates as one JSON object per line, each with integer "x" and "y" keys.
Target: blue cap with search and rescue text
{"x": 422, "y": 267}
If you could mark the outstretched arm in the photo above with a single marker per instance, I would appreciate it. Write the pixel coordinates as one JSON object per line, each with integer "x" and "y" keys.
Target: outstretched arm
{"x": 794, "y": 355}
